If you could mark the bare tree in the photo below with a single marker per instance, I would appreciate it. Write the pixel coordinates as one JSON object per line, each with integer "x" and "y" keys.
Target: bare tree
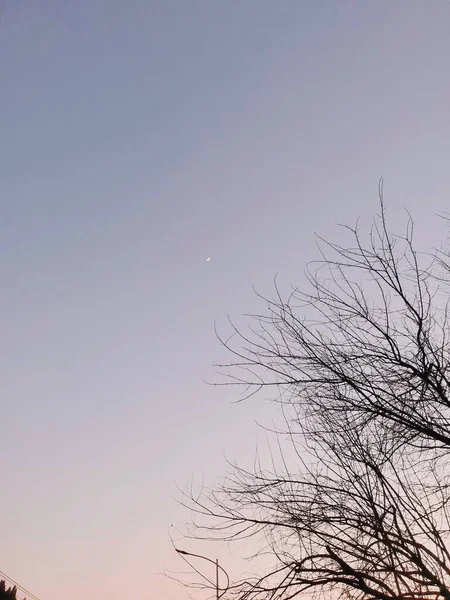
{"x": 359, "y": 364}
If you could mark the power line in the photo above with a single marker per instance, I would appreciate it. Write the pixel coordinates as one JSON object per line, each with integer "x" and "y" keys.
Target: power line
{"x": 19, "y": 587}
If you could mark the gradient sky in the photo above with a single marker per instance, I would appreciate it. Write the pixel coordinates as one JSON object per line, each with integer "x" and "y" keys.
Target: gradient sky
{"x": 139, "y": 138}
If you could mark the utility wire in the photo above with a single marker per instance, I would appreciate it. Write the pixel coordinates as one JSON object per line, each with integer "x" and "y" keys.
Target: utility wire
{"x": 19, "y": 587}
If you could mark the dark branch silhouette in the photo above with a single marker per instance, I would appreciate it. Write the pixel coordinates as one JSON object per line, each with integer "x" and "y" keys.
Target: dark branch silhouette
{"x": 9, "y": 593}
{"x": 360, "y": 366}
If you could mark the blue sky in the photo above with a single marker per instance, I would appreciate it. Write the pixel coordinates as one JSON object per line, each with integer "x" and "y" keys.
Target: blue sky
{"x": 138, "y": 139}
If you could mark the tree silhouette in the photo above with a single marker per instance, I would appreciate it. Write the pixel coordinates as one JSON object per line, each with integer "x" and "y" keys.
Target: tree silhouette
{"x": 7, "y": 593}
{"x": 357, "y": 505}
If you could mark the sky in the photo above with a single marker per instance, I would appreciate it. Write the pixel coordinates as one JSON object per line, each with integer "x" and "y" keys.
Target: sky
{"x": 137, "y": 139}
